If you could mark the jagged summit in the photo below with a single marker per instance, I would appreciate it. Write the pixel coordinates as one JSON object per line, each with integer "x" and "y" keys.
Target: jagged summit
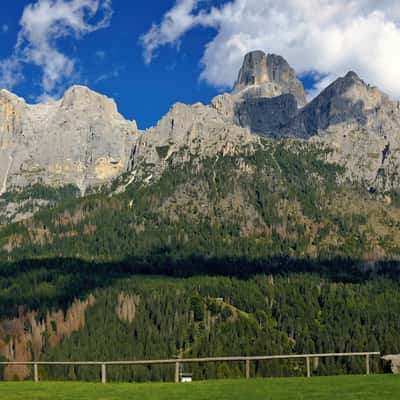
{"x": 348, "y": 103}
{"x": 79, "y": 91}
{"x": 82, "y": 98}
{"x": 253, "y": 72}
{"x": 80, "y": 139}
{"x": 266, "y": 76}
{"x": 352, "y": 75}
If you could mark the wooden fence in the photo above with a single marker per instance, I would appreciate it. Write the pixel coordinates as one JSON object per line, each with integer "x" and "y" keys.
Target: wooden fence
{"x": 181, "y": 361}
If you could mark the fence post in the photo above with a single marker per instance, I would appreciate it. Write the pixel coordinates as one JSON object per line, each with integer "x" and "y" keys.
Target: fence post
{"x": 35, "y": 372}
{"x": 103, "y": 374}
{"x": 177, "y": 372}
{"x": 308, "y": 367}
{"x": 367, "y": 364}
{"x": 247, "y": 368}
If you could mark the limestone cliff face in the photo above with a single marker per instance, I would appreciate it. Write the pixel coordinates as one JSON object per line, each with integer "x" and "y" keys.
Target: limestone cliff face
{"x": 83, "y": 140}
{"x": 80, "y": 139}
{"x": 12, "y": 116}
{"x": 254, "y": 71}
{"x": 268, "y": 76}
{"x": 356, "y": 121}
{"x": 266, "y": 116}
{"x": 348, "y": 103}
{"x": 188, "y": 132}
{"x": 362, "y": 127}
{"x": 266, "y": 95}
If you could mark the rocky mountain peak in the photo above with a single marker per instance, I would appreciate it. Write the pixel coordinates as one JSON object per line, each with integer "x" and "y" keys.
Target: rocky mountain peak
{"x": 266, "y": 76}
{"x": 347, "y": 104}
{"x": 79, "y": 94}
{"x": 253, "y": 72}
{"x": 81, "y": 98}
{"x": 83, "y": 140}
{"x": 350, "y": 98}
{"x": 80, "y": 139}
{"x": 351, "y": 75}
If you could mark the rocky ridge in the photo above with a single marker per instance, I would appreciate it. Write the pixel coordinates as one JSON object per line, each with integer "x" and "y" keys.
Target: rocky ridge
{"x": 82, "y": 140}
{"x": 268, "y": 76}
{"x": 356, "y": 121}
{"x": 362, "y": 127}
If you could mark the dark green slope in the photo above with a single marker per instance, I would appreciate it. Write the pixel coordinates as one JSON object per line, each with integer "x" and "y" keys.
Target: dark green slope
{"x": 281, "y": 210}
{"x": 300, "y": 313}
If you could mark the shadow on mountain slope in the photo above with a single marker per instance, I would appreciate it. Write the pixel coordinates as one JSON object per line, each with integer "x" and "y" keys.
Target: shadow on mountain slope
{"x": 54, "y": 283}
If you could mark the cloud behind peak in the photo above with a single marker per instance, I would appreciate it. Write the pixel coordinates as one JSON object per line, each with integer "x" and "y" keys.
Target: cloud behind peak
{"x": 326, "y": 38}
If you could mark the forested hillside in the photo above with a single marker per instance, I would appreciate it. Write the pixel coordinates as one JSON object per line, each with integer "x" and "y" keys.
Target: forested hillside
{"x": 150, "y": 318}
{"x": 283, "y": 199}
{"x": 309, "y": 259}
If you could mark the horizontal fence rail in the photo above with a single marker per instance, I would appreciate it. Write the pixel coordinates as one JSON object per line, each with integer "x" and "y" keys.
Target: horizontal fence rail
{"x": 181, "y": 361}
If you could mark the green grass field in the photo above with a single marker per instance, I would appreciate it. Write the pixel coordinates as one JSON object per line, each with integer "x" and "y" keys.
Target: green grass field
{"x": 382, "y": 387}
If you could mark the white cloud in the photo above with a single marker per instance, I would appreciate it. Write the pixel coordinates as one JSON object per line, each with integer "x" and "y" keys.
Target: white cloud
{"x": 43, "y": 24}
{"x": 10, "y": 73}
{"x": 176, "y": 22}
{"x": 328, "y": 37}
{"x": 115, "y": 73}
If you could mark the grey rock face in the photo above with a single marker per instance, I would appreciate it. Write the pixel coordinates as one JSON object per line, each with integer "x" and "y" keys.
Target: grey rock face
{"x": 284, "y": 75}
{"x": 253, "y": 72}
{"x": 80, "y": 139}
{"x": 83, "y": 140}
{"x": 362, "y": 126}
{"x": 188, "y": 132}
{"x": 348, "y": 103}
{"x": 266, "y": 116}
{"x": 268, "y": 76}
{"x": 266, "y": 95}
{"x": 357, "y": 122}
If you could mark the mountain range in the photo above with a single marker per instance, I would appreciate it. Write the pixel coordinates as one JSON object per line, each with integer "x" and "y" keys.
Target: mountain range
{"x": 261, "y": 158}
{"x": 301, "y": 198}
{"x": 82, "y": 139}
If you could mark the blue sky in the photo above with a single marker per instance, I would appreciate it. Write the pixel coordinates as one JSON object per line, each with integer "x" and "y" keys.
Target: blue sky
{"x": 111, "y": 61}
{"x": 190, "y": 50}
